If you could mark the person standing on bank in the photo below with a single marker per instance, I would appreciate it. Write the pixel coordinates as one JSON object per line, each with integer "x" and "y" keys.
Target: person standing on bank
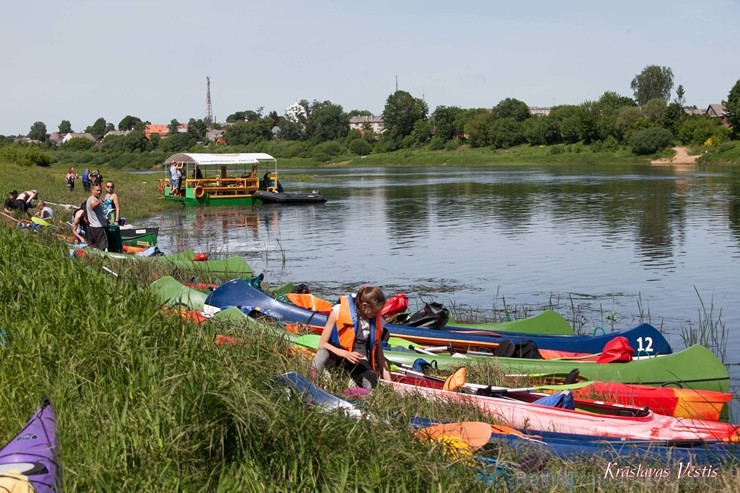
{"x": 96, "y": 219}
{"x": 353, "y": 338}
{"x": 111, "y": 204}
{"x": 86, "y": 180}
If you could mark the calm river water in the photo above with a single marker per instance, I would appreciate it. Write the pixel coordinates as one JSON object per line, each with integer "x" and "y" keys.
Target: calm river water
{"x": 607, "y": 246}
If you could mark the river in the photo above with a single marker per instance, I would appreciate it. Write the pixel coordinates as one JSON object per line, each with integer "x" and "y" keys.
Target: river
{"x": 608, "y": 246}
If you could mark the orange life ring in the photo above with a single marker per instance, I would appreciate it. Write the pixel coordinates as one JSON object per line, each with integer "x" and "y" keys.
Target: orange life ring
{"x": 199, "y": 192}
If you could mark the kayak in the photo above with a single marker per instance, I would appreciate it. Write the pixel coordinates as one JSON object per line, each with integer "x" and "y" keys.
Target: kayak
{"x": 680, "y": 403}
{"x": 226, "y": 266}
{"x": 171, "y": 292}
{"x": 549, "y": 322}
{"x": 695, "y": 367}
{"x": 29, "y": 461}
{"x": 532, "y": 416}
{"x": 140, "y": 237}
{"x": 644, "y": 339}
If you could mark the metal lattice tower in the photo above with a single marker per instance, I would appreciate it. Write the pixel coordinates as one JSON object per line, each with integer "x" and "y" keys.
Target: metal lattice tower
{"x": 209, "y": 109}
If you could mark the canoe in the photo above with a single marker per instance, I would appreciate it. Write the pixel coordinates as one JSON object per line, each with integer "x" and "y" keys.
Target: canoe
{"x": 289, "y": 198}
{"x": 645, "y": 339}
{"x": 652, "y": 455}
{"x": 140, "y": 237}
{"x": 695, "y": 367}
{"x": 549, "y": 322}
{"x": 680, "y": 403}
{"x": 28, "y": 462}
{"x": 518, "y": 414}
{"x": 171, "y": 292}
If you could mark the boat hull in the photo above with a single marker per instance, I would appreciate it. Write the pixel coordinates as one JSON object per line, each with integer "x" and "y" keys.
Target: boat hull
{"x": 537, "y": 417}
{"x": 139, "y": 237}
{"x": 644, "y": 338}
{"x": 289, "y": 198}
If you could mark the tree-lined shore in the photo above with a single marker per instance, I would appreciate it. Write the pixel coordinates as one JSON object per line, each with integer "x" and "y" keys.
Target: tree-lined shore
{"x": 316, "y": 133}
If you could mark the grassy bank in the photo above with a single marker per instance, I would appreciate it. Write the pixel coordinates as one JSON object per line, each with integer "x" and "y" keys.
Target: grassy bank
{"x": 147, "y": 401}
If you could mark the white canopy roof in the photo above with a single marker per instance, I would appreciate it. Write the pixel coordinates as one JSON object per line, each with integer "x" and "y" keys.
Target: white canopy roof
{"x": 219, "y": 159}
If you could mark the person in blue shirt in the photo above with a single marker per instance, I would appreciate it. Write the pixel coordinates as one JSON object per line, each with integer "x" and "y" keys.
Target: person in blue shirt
{"x": 86, "y": 180}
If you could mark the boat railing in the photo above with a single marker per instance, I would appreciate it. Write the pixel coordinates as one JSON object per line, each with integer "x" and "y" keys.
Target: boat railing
{"x": 223, "y": 186}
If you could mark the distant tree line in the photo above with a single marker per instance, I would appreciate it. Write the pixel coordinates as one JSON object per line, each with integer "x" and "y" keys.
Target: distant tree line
{"x": 645, "y": 123}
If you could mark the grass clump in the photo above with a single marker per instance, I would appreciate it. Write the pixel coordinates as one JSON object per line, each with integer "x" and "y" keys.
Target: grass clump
{"x": 147, "y": 401}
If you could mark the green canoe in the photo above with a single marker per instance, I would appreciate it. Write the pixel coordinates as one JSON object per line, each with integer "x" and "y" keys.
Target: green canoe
{"x": 695, "y": 367}
{"x": 230, "y": 266}
{"x": 546, "y": 323}
{"x": 171, "y": 292}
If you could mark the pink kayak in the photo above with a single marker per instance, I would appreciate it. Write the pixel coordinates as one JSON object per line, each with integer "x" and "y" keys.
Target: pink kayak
{"x": 517, "y": 414}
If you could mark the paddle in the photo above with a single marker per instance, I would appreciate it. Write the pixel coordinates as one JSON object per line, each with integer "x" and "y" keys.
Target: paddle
{"x": 474, "y": 434}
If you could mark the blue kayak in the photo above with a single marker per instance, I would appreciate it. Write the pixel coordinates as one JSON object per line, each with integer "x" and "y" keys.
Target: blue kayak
{"x": 644, "y": 339}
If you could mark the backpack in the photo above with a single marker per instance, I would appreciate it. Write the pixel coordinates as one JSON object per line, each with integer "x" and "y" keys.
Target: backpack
{"x": 523, "y": 349}
{"x": 432, "y": 316}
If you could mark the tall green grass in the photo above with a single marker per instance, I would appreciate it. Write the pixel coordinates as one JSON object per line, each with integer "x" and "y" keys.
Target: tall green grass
{"x": 146, "y": 401}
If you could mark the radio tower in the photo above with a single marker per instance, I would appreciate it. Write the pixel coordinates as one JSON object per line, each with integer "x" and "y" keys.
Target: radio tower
{"x": 209, "y": 110}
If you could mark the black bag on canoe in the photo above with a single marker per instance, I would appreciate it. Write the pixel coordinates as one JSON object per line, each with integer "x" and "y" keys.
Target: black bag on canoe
{"x": 432, "y": 316}
{"x": 524, "y": 349}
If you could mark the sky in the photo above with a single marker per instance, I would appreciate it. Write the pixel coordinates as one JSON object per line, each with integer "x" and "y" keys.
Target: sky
{"x": 80, "y": 60}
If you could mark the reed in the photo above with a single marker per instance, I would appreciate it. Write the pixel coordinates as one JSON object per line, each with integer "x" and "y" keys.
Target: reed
{"x": 710, "y": 330}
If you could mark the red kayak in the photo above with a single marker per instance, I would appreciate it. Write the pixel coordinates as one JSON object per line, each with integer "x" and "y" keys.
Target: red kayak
{"x": 646, "y": 425}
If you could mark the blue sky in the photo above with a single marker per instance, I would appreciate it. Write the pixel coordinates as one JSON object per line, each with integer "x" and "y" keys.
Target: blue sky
{"x": 82, "y": 59}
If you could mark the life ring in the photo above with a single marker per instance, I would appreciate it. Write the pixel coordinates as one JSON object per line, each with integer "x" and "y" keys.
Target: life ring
{"x": 199, "y": 192}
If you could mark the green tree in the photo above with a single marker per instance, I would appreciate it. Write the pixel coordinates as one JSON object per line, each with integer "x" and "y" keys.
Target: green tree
{"x": 38, "y": 132}
{"x": 400, "y": 114}
{"x": 172, "y": 127}
{"x": 354, "y": 113}
{"x": 97, "y": 128}
{"x": 131, "y": 123}
{"x": 512, "y": 108}
{"x": 652, "y": 82}
{"x": 77, "y": 144}
{"x": 177, "y": 142}
{"x": 542, "y": 131}
{"x": 477, "y": 128}
{"x": 65, "y": 127}
{"x": 328, "y": 121}
{"x": 733, "y": 109}
{"x": 626, "y": 122}
{"x": 672, "y": 117}
{"x": 446, "y": 122}
{"x": 680, "y": 96}
{"x": 653, "y": 110}
{"x": 136, "y": 141}
{"x": 249, "y": 133}
{"x": 505, "y": 132}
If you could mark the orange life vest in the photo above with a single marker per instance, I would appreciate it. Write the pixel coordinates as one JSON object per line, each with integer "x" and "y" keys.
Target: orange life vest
{"x": 343, "y": 334}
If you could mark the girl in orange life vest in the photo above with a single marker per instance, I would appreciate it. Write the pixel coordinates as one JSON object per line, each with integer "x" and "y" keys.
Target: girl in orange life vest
{"x": 353, "y": 338}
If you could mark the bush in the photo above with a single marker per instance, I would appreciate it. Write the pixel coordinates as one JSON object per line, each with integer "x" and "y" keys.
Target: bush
{"x": 77, "y": 144}
{"x": 651, "y": 140}
{"x": 326, "y": 151}
{"x": 360, "y": 147}
{"x": 436, "y": 144}
{"x": 452, "y": 145}
{"x": 24, "y": 155}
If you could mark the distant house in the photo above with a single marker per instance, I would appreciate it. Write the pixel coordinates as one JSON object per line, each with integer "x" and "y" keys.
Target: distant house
{"x": 717, "y": 110}
{"x": 692, "y": 111}
{"x": 216, "y": 136}
{"x": 539, "y": 111}
{"x": 375, "y": 123}
{"x": 113, "y": 133}
{"x": 162, "y": 130}
{"x": 56, "y": 138}
{"x": 81, "y": 135}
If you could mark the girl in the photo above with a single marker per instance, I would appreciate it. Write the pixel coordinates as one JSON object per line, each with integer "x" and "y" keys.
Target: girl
{"x": 353, "y": 338}
{"x": 111, "y": 204}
